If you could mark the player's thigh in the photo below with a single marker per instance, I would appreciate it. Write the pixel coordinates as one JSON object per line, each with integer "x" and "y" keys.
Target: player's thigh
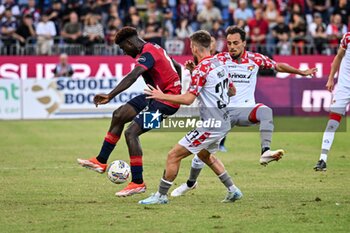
{"x": 340, "y": 100}
{"x": 199, "y": 139}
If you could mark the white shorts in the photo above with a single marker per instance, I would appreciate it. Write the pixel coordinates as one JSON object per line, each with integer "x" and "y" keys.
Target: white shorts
{"x": 198, "y": 139}
{"x": 240, "y": 115}
{"x": 340, "y": 100}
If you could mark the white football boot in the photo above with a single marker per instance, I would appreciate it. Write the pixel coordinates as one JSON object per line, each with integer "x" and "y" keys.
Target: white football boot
{"x": 271, "y": 155}
{"x": 182, "y": 190}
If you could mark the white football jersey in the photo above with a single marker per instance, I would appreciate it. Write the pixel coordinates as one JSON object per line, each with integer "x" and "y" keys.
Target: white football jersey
{"x": 244, "y": 75}
{"x": 210, "y": 82}
{"x": 344, "y": 70}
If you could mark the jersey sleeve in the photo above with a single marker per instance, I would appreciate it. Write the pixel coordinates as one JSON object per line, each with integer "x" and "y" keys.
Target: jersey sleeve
{"x": 345, "y": 41}
{"x": 264, "y": 62}
{"x": 198, "y": 79}
{"x": 145, "y": 60}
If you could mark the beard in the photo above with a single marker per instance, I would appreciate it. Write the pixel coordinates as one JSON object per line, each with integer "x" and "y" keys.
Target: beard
{"x": 195, "y": 59}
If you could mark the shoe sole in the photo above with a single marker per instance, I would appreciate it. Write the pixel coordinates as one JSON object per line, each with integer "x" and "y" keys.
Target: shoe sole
{"x": 90, "y": 166}
{"x": 275, "y": 157}
{"x": 142, "y": 190}
{"x": 320, "y": 169}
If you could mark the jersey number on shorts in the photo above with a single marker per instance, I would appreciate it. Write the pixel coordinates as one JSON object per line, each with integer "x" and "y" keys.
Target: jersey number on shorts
{"x": 194, "y": 134}
{"x": 221, "y": 89}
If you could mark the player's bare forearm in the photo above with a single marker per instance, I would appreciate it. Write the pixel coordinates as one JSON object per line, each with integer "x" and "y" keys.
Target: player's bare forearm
{"x": 155, "y": 93}
{"x": 185, "y": 99}
{"x": 285, "y": 68}
{"x": 126, "y": 82}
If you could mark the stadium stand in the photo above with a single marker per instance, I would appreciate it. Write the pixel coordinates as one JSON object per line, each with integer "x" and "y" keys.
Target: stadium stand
{"x": 87, "y": 27}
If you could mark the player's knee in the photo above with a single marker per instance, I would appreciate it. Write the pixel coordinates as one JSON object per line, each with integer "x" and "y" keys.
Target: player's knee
{"x": 265, "y": 112}
{"x": 197, "y": 163}
{"x": 119, "y": 116}
{"x": 130, "y": 133}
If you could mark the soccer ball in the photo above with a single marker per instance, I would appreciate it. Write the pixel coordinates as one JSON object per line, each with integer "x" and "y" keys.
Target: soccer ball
{"x": 118, "y": 171}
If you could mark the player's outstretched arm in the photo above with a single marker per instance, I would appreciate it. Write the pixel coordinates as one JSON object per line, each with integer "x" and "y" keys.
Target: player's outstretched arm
{"x": 285, "y": 68}
{"x": 126, "y": 82}
{"x": 334, "y": 68}
{"x": 155, "y": 93}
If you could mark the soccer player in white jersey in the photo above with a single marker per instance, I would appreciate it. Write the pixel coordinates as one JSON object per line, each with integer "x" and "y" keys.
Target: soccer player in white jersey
{"x": 340, "y": 100}
{"x": 210, "y": 83}
{"x": 244, "y": 111}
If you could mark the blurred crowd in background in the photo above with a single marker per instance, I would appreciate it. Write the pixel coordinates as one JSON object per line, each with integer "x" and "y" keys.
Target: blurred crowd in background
{"x": 88, "y": 27}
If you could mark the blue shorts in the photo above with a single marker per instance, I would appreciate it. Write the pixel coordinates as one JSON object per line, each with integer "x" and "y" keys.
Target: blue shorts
{"x": 151, "y": 112}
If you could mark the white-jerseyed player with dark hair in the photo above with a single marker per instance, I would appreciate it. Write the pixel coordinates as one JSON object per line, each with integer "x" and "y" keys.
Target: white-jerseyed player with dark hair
{"x": 210, "y": 83}
{"x": 244, "y": 111}
{"x": 340, "y": 99}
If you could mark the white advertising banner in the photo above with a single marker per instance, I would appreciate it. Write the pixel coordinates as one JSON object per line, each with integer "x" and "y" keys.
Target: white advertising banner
{"x": 72, "y": 98}
{"x": 10, "y": 99}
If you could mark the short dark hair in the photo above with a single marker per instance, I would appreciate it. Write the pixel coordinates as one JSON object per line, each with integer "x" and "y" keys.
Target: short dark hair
{"x": 202, "y": 38}
{"x": 234, "y": 29}
{"x": 124, "y": 34}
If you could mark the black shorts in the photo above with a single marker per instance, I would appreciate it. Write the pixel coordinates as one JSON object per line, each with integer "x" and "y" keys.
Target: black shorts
{"x": 151, "y": 112}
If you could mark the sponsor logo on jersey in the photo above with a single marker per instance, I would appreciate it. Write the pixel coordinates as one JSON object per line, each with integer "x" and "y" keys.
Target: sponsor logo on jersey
{"x": 141, "y": 59}
{"x": 251, "y": 68}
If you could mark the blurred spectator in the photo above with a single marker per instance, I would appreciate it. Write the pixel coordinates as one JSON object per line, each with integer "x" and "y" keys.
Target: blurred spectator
{"x": 153, "y": 32}
{"x": 335, "y": 30}
{"x": 271, "y": 13}
{"x": 113, "y": 12}
{"x": 193, "y": 17}
{"x": 115, "y": 22}
{"x": 320, "y": 39}
{"x": 297, "y": 27}
{"x": 91, "y": 7}
{"x": 110, "y": 35}
{"x": 343, "y": 8}
{"x": 199, "y": 4}
{"x": 183, "y": 10}
{"x": 71, "y": 31}
{"x": 56, "y": 14}
{"x": 33, "y": 10}
{"x": 258, "y": 30}
{"x": 281, "y": 35}
{"x": 71, "y": 6}
{"x": 153, "y": 14}
{"x": 10, "y": 4}
{"x": 124, "y": 7}
{"x": 63, "y": 68}
{"x": 243, "y": 24}
{"x": 45, "y": 31}
{"x": 167, "y": 17}
{"x": 133, "y": 19}
{"x": 217, "y": 30}
{"x": 184, "y": 30}
{"x": 208, "y": 15}
{"x": 317, "y": 22}
{"x": 8, "y": 27}
{"x": 92, "y": 32}
{"x": 243, "y": 12}
{"x": 320, "y": 6}
{"x": 25, "y": 30}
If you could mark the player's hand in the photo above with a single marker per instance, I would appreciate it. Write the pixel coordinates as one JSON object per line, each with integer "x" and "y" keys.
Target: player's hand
{"x": 330, "y": 85}
{"x": 190, "y": 65}
{"x": 310, "y": 72}
{"x": 101, "y": 99}
{"x": 153, "y": 93}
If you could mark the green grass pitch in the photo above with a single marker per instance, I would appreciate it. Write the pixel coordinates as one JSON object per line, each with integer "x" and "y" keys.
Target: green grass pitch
{"x": 42, "y": 189}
